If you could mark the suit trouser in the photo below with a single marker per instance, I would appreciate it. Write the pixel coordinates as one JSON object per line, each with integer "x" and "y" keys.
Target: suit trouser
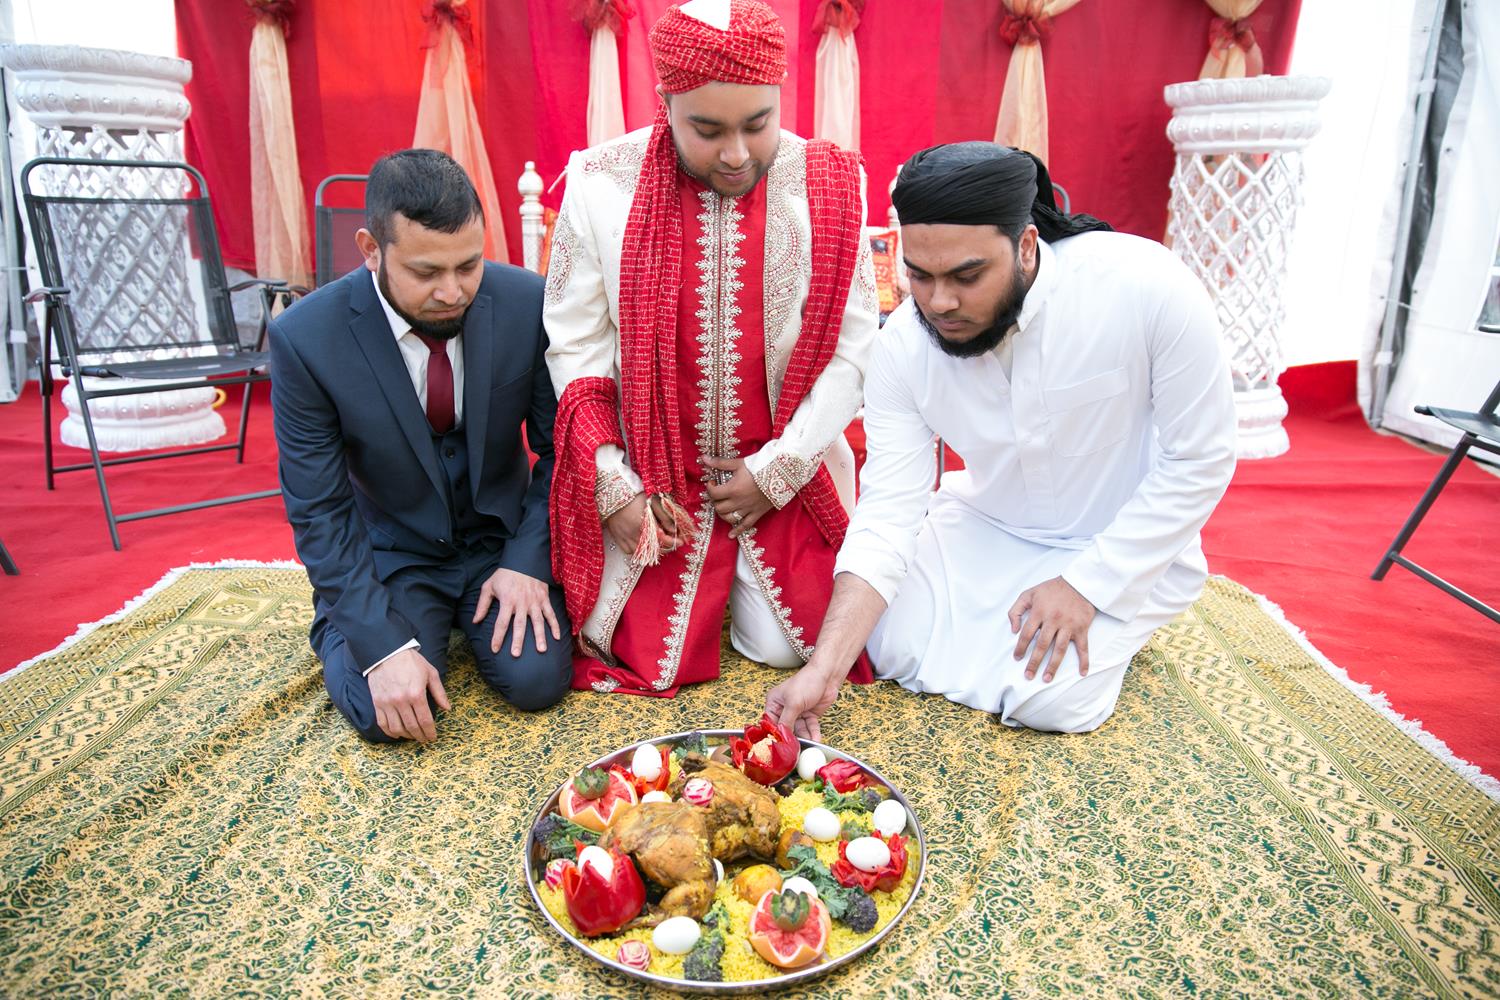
{"x": 436, "y": 600}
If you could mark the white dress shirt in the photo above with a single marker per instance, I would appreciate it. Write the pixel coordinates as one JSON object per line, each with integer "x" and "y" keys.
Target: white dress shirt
{"x": 1112, "y": 435}
{"x": 416, "y": 356}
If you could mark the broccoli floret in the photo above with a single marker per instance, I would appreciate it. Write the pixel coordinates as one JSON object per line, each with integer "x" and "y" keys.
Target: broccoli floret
{"x": 694, "y": 742}
{"x": 556, "y": 836}
{"x": 860, "y": 914}
{"x": 703, "y": 962}
{"x": 852, "y": 802}
{"x": 871, "y": 798}
{"x": 717, "y": 918}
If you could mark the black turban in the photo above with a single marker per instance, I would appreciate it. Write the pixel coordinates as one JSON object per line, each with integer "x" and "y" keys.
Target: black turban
{"x": 981, "y": 183}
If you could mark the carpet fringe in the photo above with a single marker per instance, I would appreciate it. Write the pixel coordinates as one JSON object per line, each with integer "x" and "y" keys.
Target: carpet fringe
{"x": 1377, "y": 700}
{"x": 171, "y": 576}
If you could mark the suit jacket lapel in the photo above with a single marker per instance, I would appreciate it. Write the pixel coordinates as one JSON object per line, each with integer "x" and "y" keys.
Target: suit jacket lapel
{"x": 372, "y": 332}
{"x": 479, "y": 353}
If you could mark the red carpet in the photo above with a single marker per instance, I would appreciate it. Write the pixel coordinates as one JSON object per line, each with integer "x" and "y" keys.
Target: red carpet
{"x": 1304, "y": 529}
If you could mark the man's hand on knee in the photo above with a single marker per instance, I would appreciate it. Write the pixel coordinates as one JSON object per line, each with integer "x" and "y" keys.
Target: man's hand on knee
{"x": 1048, "y": 617}
{"x": 399, "y": 688}
{"x": 522, "y": 599}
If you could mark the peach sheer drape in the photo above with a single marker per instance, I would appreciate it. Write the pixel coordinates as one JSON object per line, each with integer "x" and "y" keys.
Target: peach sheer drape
{"x": 836, "y": 87}
{"x": 446, "y": 120}
{"x": 1023, "y": 106}
{"x": 606, "y": 110}
{"x": 281, "y": 243}
{"x": 1232, "y": 49}
{"x": 605, "y": 21}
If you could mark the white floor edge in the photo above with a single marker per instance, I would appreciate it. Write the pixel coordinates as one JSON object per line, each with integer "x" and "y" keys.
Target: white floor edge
{"x": 1413, "y": 728}
{"x": 83, "y": 631}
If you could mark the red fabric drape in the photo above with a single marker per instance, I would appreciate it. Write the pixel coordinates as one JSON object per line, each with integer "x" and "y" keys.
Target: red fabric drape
{"x": 929, "y": 72}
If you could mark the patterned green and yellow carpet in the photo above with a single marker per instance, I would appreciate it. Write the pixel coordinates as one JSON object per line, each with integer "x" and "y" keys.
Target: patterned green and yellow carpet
{"x": 182, "y": 812}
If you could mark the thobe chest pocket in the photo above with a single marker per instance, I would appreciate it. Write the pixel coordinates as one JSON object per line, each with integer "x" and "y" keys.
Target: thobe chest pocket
{"x": 1088, "y": 416}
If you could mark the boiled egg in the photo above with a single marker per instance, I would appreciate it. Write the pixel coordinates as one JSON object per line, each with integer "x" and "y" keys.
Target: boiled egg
{"x": 868, "y": 854}
{"x": 676, "y": 935}
{"x": 646, "y": 764}
{"x": 890, "y": 817}
{"x": 655, "y": 796}
{"x": 821, "y": 825}
{"x": 599, "y": 859}
{"x": 809, "y": 761}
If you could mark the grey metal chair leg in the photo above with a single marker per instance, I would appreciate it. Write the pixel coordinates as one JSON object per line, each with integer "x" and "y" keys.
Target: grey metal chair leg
{"x": 1409, "y": 528}
{"x": 88, "y": 426}
{"x": 6, "y": 562}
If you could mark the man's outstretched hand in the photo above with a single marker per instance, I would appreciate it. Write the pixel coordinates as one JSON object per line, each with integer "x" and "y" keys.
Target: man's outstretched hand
{"x": 801, "y": 699}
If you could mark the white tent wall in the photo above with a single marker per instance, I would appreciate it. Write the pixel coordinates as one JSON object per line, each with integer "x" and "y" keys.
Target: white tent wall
{"x": 1351, "y": 165}
{"x": 148, "y": 26}
{"x": 1446, "y": 361}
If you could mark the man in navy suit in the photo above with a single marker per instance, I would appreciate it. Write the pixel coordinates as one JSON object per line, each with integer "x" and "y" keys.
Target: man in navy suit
{"x": 400, "y": 392}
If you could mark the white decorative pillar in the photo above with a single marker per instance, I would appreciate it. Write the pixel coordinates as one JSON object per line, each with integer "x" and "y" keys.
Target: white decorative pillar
{"x": 530, "y": 186}
{"x": 1236, "y": 189}
{"x": 107, "y": 104}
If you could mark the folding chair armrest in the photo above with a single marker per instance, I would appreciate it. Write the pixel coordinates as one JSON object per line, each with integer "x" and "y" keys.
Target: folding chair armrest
{"x": 270, "y": 283}
{"x": 48, "y": 292}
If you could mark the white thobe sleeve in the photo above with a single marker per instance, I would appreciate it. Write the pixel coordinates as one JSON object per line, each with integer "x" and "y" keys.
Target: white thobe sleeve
{"x": 1192, "y": 410}
{"x": 787, "y": 463}
{"x": 582, "y": 339}
{"x": 896, "y": 482}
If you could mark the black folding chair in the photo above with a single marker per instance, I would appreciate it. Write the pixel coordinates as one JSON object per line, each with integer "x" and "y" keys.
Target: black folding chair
{"x": 135, "y": 289}
{"x": 1480, "y": 430}
{"x": 334, "y": 227}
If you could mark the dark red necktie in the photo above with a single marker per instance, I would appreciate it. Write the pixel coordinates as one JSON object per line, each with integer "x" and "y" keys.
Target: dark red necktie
{"x": 439, "y": 384}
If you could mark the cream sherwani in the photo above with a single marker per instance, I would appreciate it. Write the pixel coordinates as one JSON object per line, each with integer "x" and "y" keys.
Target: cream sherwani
{"x": 1098, "y": 457}
{"x": 582, "y": 316}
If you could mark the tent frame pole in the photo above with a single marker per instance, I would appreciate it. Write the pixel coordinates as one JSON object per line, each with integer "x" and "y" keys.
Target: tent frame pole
{"x": 1385, "y": 360}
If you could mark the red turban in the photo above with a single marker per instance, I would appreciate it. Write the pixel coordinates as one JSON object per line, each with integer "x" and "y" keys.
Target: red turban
{"x": 690, "y": 52}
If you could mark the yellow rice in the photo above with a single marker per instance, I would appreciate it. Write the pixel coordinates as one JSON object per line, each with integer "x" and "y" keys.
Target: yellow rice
{"x": 741, "y": 963}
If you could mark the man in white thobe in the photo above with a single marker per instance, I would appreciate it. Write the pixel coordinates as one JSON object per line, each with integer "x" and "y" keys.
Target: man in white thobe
{"x": 1080, "y": 376}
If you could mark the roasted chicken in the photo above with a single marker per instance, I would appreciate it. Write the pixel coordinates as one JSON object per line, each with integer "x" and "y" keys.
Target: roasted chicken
{"x": 743, "y": 818}
{"x": 670, "y": 843}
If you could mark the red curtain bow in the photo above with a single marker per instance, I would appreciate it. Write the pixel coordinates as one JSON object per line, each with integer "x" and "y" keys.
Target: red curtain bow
{"x": 840, "y": 15}
{"x": 596, "y": 14}
{"x": 1019, "y": 29}
{"x": 1224, "y": 34}
{"x": 277, "y": 12}
{"x": 455, "y": 12}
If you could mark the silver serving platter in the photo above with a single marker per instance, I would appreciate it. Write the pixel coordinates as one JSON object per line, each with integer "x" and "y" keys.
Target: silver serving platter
{"x": 536, "y": 865}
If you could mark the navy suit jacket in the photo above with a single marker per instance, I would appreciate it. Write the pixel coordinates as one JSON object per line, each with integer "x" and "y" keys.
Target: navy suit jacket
{"x": 359, "y": 472}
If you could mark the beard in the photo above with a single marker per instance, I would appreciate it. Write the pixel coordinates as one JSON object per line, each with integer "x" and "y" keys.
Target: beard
{"x": 758, "y": 170}
{"x": 437, "y": 329}
{"x": 991, "y": 337}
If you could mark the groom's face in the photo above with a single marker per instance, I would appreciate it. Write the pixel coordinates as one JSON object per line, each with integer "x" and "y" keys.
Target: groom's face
{"x": 429, "y": 277}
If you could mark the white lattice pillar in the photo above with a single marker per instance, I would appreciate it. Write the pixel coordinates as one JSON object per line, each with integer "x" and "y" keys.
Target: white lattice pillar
{"x": 1235, "y": 194}
{"x": 107, "y": 104}
{"x": 532, "y": 229}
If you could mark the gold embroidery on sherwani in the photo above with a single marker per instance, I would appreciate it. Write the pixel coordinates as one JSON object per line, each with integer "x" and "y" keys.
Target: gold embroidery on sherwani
{"x": 786, "y": 259}
{"x": 620, "y": 162}
{"x": 771, "y": 590}
{"x": 560, "y": 264}
{"x": 719, "y": 284}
